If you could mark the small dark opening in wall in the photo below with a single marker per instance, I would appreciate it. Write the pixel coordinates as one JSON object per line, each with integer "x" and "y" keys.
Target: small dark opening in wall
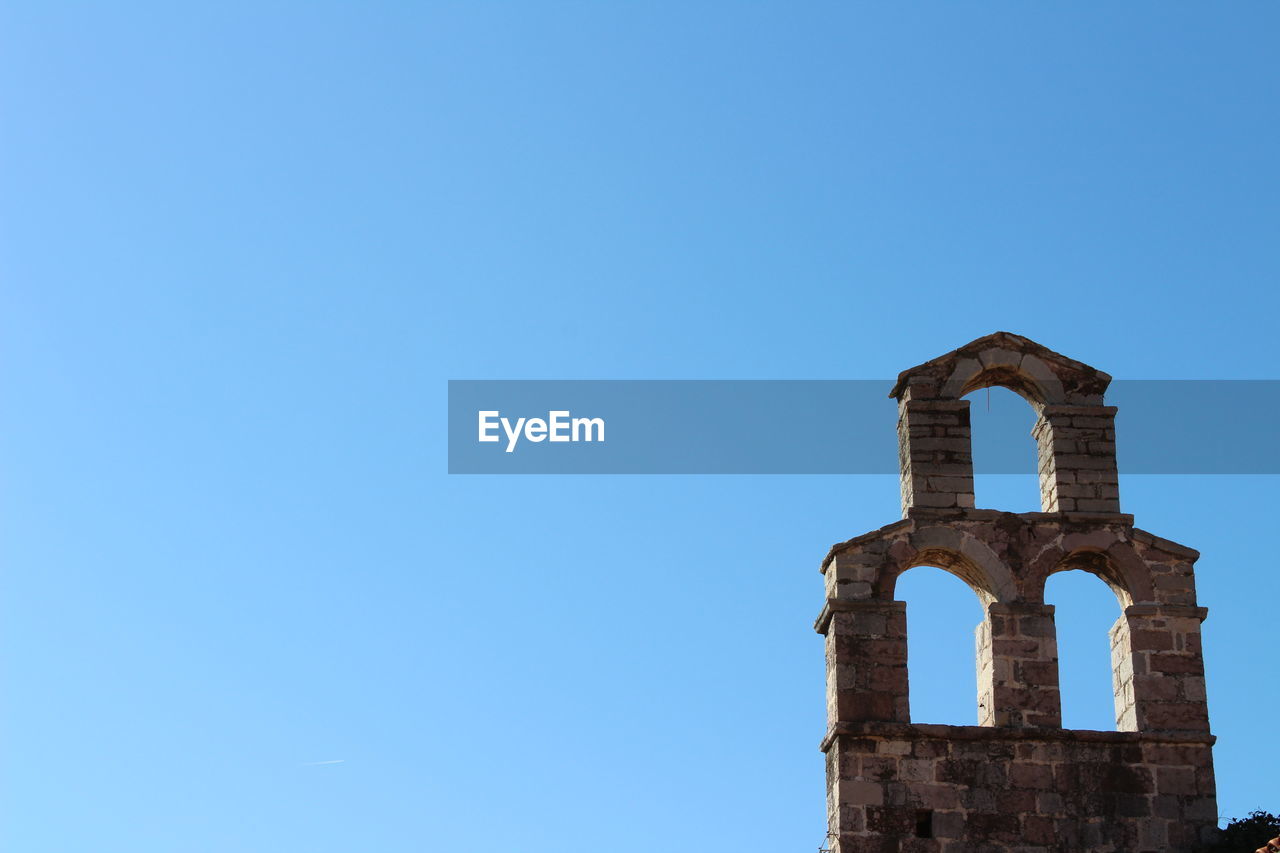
{"x": 924, "y": 824}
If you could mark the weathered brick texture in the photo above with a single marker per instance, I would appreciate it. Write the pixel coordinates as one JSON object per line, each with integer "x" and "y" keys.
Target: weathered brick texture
{"x": 867, "y": 662}
{"x": 1017, "y": 781}
{"x": 1076, "y": 447}
{"x": 949, "y": 789}
{"x": 1018, "y": 667}
{"x": 935, "y": 452}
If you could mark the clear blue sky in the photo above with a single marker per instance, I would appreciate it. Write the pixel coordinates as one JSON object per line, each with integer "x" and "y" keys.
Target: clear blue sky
{"x": 245, "y": 245}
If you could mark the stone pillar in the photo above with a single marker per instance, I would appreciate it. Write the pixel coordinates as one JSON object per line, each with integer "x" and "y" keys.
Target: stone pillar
{"x": 866, "y": 644}
{"x": 1158, "y": 669}
{"x": 1077, "y": 453}
{"x": 935, "y": 454}
{"x": 1018, "y": 667}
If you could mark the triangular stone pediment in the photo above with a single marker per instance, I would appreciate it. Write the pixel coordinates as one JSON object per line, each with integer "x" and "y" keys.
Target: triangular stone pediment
{"x": 1008, "y": 360}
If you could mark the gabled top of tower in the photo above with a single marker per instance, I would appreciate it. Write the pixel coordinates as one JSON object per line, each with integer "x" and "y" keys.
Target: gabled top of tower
{"x": 1020, "y": 364}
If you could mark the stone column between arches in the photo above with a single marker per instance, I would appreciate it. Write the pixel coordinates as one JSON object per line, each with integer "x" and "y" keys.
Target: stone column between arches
{"x": 1017, "y": 651}
{"x": 1159, "y": 669}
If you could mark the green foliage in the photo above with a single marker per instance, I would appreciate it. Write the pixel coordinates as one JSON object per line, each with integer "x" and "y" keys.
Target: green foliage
{"x": 1245, "y": 834}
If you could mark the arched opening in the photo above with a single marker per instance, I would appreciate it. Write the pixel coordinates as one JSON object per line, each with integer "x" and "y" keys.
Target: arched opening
{"x": 941, "y": 613}
{"x": 1085, "y": 608}
{"x": 1005, "y": 458}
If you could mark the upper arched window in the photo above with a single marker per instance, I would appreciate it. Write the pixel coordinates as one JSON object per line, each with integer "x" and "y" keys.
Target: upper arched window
{"x": 1005, "y": 457}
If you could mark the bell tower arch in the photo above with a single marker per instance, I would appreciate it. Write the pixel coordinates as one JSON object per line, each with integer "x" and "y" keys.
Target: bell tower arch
{"x": 1016, "y": 780}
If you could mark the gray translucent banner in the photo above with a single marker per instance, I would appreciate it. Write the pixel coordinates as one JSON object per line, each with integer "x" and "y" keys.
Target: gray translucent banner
{"x": 827, "y": 427}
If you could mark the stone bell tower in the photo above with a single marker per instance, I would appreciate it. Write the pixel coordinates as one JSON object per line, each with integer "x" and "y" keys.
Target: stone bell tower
{"x": 1016, "y": 781}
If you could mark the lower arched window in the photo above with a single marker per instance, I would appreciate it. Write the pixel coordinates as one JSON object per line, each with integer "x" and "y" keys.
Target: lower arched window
{"x": 942, "y": 611}
{"x": 1085, "y": 608}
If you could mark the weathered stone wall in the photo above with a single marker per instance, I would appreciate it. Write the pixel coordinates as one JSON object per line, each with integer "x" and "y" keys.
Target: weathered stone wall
{"x": 972, "y": 789}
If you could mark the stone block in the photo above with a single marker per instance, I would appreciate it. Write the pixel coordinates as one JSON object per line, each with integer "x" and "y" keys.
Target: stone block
{"x": 860, "y": 792}
{"x": 891, "y": 820}
{"x": 916, "y": 770}
{"x": 1034, "y": 776}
